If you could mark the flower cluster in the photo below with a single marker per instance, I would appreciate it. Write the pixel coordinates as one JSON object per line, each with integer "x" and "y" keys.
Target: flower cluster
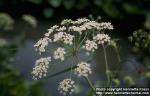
{"x": 89, "y": 25}
{"x": 83, "y": 69}
{"x": 59, "y": 53}
{"x": 65, "y": 34}
{"x": 51, "y": 30}
{"x": 41, "y": 67}
{"x": 42, "y": 44}
{"x": 71, "y": 35}
{"x": 64, "y": 37}
{"x": 66, "y": 86}
{"x": 101, "y": 38}
{"x": 106, "y": 25}
{"x": 90, "y": 45}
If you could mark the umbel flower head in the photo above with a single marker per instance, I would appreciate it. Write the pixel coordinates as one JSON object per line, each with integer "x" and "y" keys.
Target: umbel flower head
{"x": 59, "y": 53}
{"x": 83, "y": 69}
{"x": 69, "y": 31}
{"x": 66, "y": 87}
{"x": 70, "y": 37}
{"x": 64, "y": 37}
{"x": 42, "y": 44}
{"x": 90, "y": 45}
{"x": 101, "y": 38}
{"x": 41, "y": 67}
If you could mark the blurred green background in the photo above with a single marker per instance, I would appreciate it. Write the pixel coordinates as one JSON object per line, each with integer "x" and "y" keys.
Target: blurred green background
{"x": 22, "y": 22}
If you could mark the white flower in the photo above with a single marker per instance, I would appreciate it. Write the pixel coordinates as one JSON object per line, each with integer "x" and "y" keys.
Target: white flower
{"x": 91, "y": 25}
{"x": 54, "y": 27}
{"x": 87, "y": 25}
{"x": 90, "y": 45}
{"x": 64, "y": 37}
{"x": 81, "y": 20}
{"x": 66, "y": 21}
{"x": 83, "y": 24}
{"x": 66, "y": 87}
{"x": 51, "y": 30}
{"x": 58, "y": 36}
{"x": 106, "y": 25}
{"x": 59, "y": 53}
{"x": 68, "y": 39}
{"x": 97, "y": 25}
{"x": 41, "y": 67}
{"x": 63, "y": 28}
{"x": 77, "y": 29}
{"x": 101, "y": 38}
{"x": 41, "y": 44}
{"x": 83, "y": 69}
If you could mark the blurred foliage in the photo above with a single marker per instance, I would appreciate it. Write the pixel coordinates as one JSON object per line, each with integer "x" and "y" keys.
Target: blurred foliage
{"x": 6, "y": 21}
{"x": 111, "y": 8}
{"x": 147, "y": 21}
{"x": 116, "y": 82}
{"x": 141, "y": 42}
{"x": 129, "y": 81}
{"x": 147, "y": 76}
{"x": 36, "y": 1}
{"x": 29, "y": 19}
{"x": 12, "y": 82}
{"x": 3, "y": 42}
{"x": 48, "y": 12}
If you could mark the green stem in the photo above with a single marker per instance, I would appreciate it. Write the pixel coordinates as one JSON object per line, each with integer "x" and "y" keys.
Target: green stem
{"x": 71, "y": 68}
{"x": 106, "y": 65}
{"x": 90, "y": 83}
{"x": 118, "y": 55}
{"x": 80, "y": 44}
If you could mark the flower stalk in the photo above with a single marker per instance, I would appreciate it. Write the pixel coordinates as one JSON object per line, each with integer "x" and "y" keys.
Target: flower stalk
{"x": 106, "y": 65}
{"x": 90, "y": 83}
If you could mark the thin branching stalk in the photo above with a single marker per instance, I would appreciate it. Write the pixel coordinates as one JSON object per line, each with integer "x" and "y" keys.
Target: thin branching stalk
{"x": 90, "y": 83}
{"x": 106, "y": 65}
{"x": 118, "y": 55}
{"x": 80, "y": 44}
{"x": 71, "y": 68}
